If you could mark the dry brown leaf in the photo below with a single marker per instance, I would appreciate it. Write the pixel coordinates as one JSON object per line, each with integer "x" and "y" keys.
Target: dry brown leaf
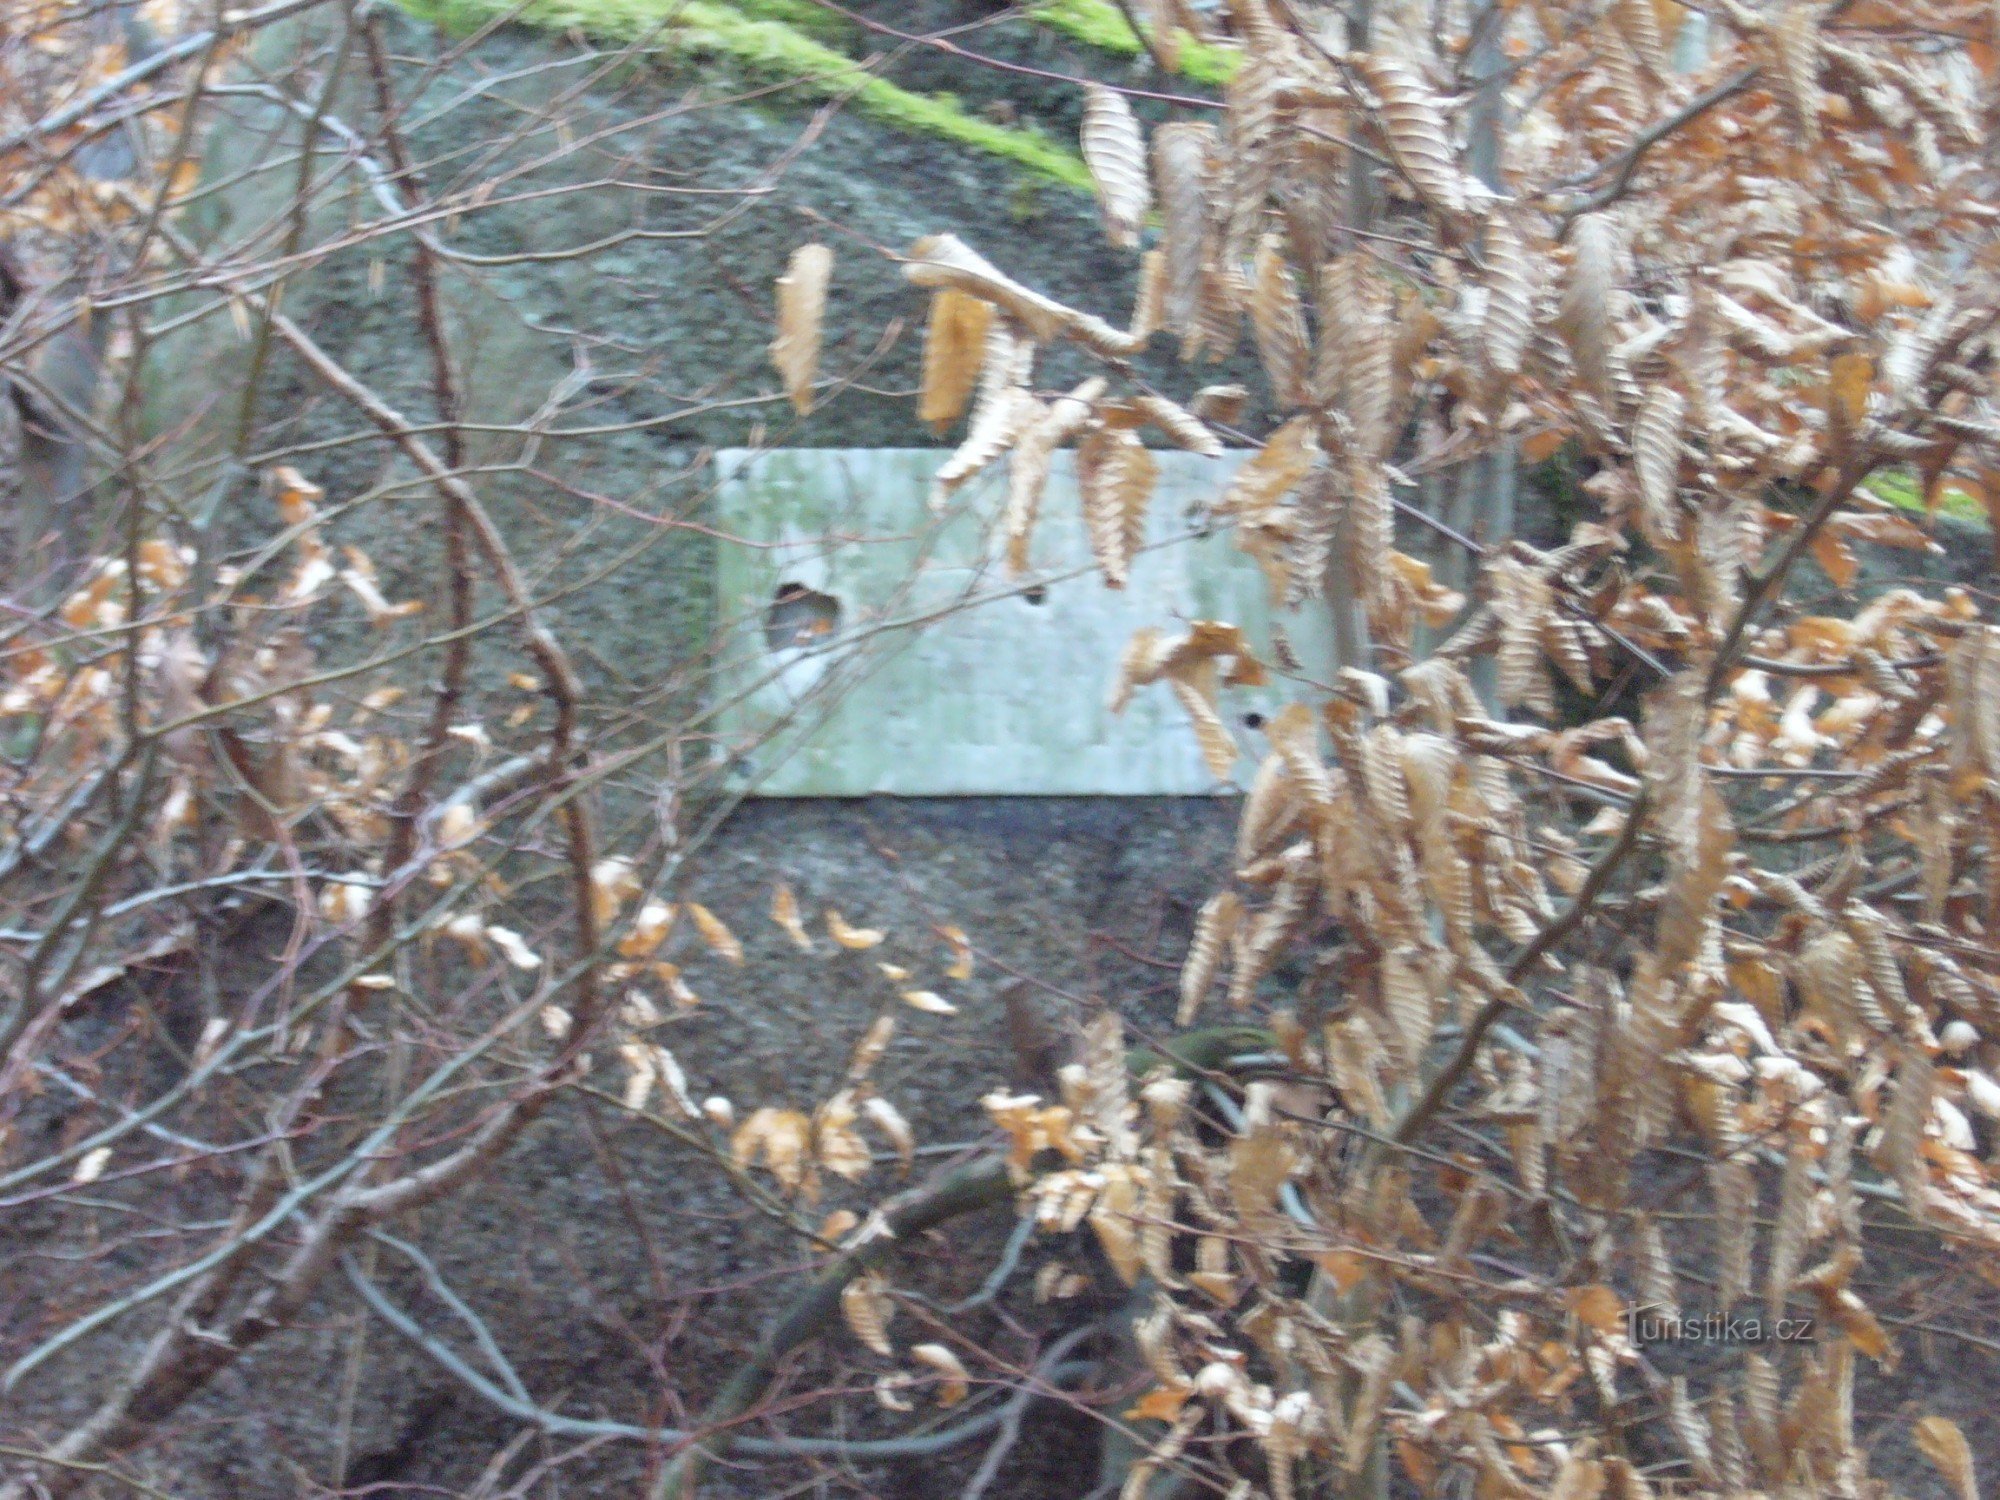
{"x": 895, "y": 1129}
{"x": 1003, "y": 412}
{"x": 837, "y": 1145}
{"x": 801, "y": 307}
{"x": 1213, "y": 927}
{"x": 1220, "y": 404}
{"x": 1597, "y": 1307}
{"x": 1944, "y": 1444}
{"x": 1111, "y": 1219}
{"x": 1273, "y": 472}
{"x": 867, "y": 1307}
{"x": 1183, "y": 428}
{"x": 1219, "y": 750}
{"x": 851, "y": 937}
{"x": 1028, "y": 465}
{"x": 954, "y": 348}
{"x": 1259, "y": 1166}
{"x": 961, "y": 951}
{"x": 1181, "y": 164}
{"x": 715, "y": 932}
{"x": 1278, "y": 321}
{"x": 1294, "y": 734}
{"x": 1656, "y": 454}
{"x": 1579, "y": 1478}
{"x": 944, "y": 260}
{"x": 1114, "y": 149}
{"x": 1369, "y": 381}
{"x": 1795, "y": 45}
{"x": 785, "y": 912}
{"x": 780, "y": 1138}
{"x": 1161, "y": 1404}
{"x": 1115, "y": 474}
{"x": 868, "y": 1051}
{"x": 1509, "y": 317}
{"x": 1150, "y": 302}
{"x": 954, "y": 1386}
{"x": 1848, "y": 384}
{"x": 297, "y": 497}
{"x": 1412, "y": 122}
{"x": 1585, "y": 318}
{"x": 1854, "y": 1318}
{"x": 1218, "y": 318}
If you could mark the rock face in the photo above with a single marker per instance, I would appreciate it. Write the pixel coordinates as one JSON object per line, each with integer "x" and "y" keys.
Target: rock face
{"x": 619, "y": 293}
{"x": 610, "y": 1289}
{"x": 622, "y": 291}
{"x": 628, "y": 277}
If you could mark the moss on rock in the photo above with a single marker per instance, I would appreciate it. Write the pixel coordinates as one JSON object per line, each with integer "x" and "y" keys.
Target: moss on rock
{"x": 766, "y": 38}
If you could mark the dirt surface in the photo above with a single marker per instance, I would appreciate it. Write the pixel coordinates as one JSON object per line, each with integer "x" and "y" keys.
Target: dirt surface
{"x": 605, "y": 1299}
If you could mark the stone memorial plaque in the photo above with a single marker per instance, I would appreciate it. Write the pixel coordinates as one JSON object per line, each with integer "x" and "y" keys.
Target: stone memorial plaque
{"x": 876, "y": 646}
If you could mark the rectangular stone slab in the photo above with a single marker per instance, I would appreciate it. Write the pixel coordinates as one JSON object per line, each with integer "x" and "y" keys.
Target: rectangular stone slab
{"x": 941, "y": 678}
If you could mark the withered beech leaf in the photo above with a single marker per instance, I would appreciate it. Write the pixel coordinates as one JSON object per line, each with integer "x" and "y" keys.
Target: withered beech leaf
{"x": 801, "y": 309}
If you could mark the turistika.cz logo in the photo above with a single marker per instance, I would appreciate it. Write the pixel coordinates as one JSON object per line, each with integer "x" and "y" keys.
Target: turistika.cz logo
{"x": 1653, "y": 1325}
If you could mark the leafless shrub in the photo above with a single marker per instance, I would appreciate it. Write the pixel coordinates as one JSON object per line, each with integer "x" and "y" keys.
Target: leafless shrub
{"x": 1513, "y": 985}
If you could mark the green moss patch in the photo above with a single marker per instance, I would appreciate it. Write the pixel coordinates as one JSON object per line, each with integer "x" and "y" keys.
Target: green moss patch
{"x": 1100, "y": 24}
{"x": 772, "y": 39}
{"x": 1899, "y": 488}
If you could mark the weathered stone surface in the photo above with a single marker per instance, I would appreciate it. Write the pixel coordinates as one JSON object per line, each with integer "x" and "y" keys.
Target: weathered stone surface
{"x": 627, "y": 1227}
{"x": 628, "y": 1224}
{"x": 602, "y": 1253}
{"x": 657, "y": 337}
{"x": 943, "y": 678}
